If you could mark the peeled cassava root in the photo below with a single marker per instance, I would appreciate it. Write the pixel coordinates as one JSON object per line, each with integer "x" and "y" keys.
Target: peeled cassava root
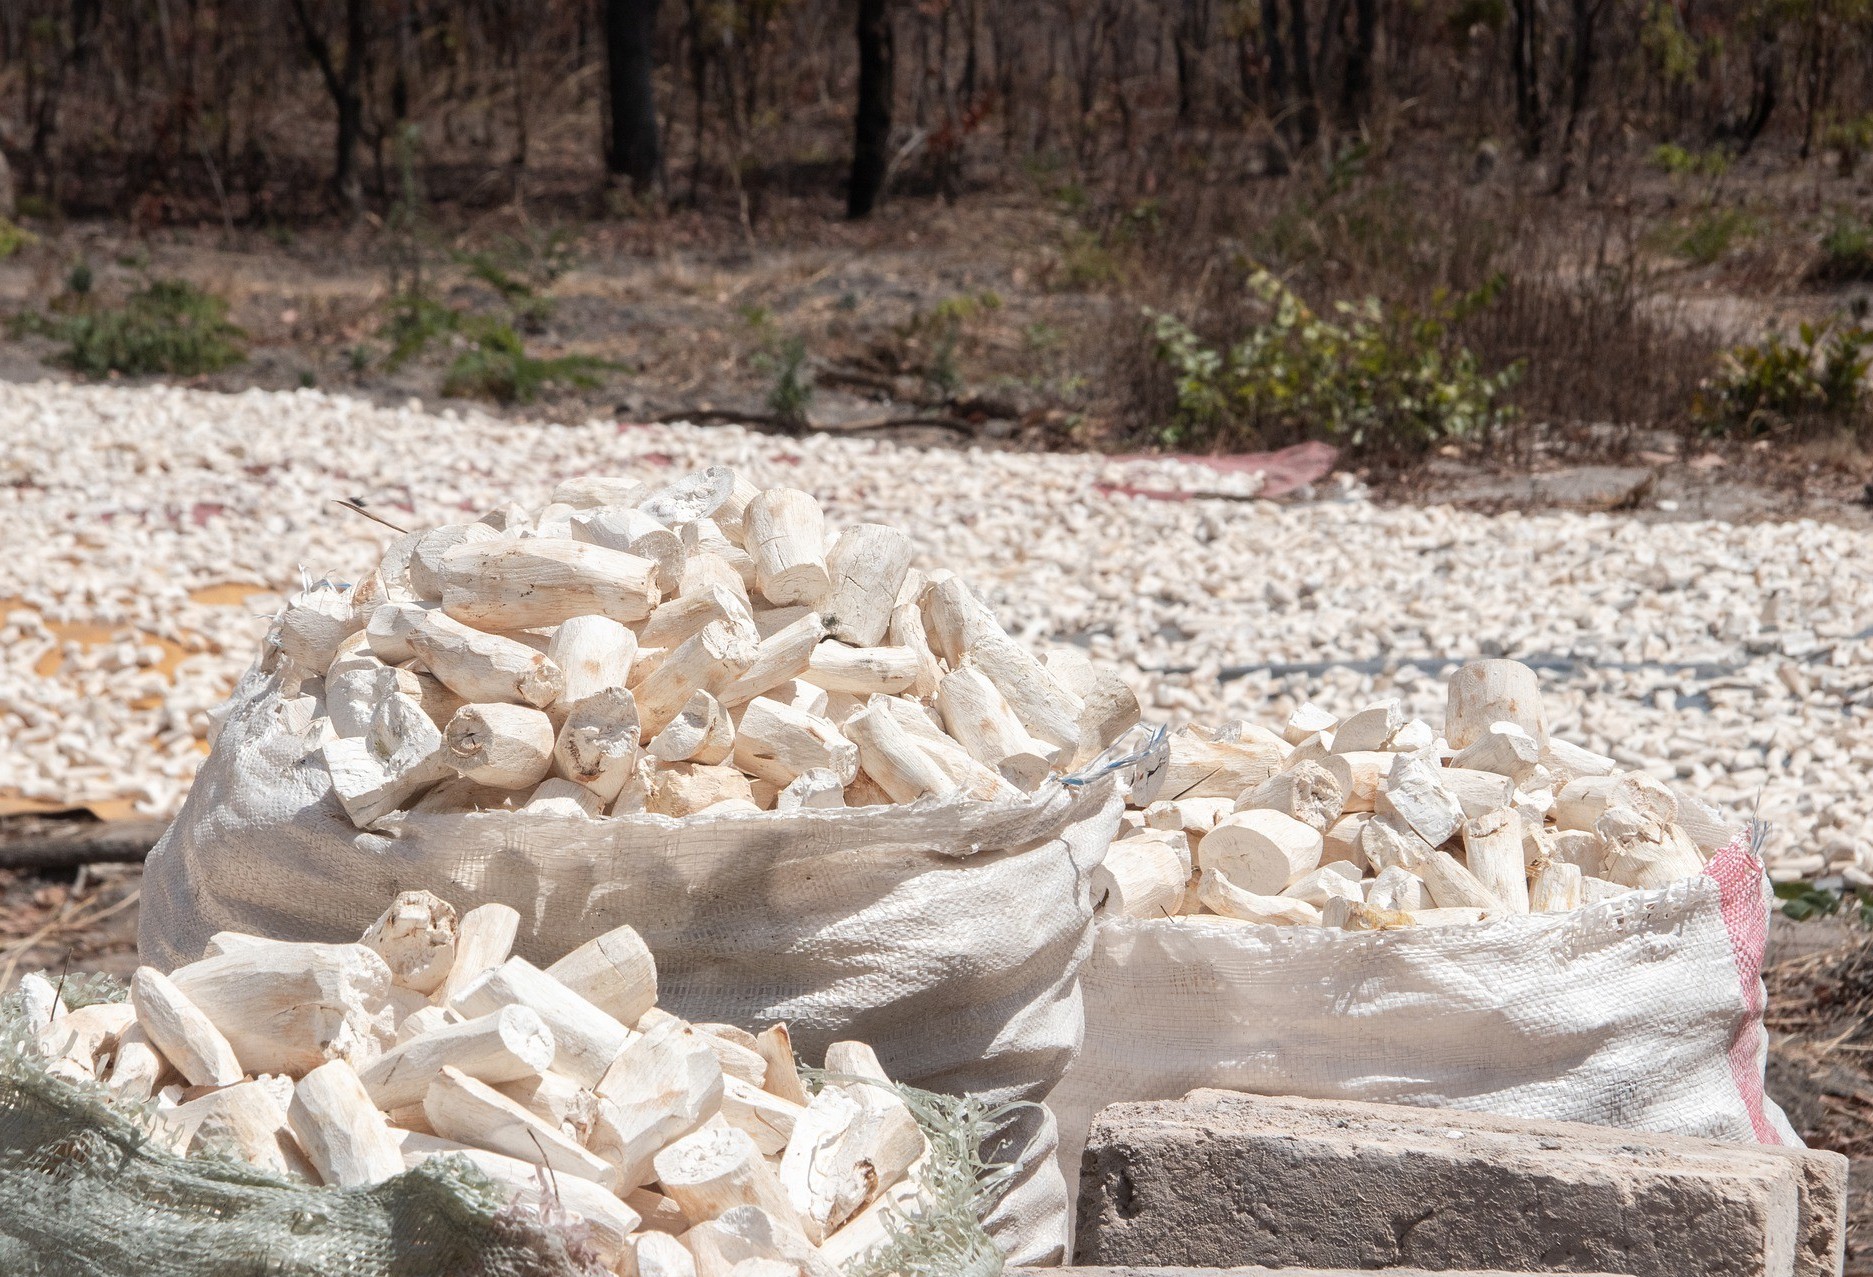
{"x": 703, "y": 647}
{"x": 1374, "y": 822}
{"x": 678, "y": 1145}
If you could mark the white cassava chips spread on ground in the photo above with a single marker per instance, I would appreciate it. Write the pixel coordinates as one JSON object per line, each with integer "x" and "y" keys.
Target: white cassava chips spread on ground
{"x": 151, "y": 531}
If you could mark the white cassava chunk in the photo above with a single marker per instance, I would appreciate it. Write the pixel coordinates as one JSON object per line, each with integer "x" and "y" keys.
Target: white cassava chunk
{"x": 514, "y": 585}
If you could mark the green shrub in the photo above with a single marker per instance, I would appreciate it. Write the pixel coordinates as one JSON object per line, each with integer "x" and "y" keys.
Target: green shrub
{"x": 1672, "y": 49}
{"x": 520, "y": 271}
{"x": 166, "y": 327}
{"x": 939, "y": 331}
{"x": 1774, "y": 382}
{"x": 1849, "y": 140}
{"x": 1803, "y": 900}
{"x": 1376, "y": 378}
{"x": 1086, "y": 261}
{"x": 414, "y": 321}
{"x": 13, "y": 238}
{"x": 497, "y": 366}
{"x": 1846, "y": 251}
{"x": 793, "y": 382}
{"x": 1679, "y": 162}
{"x": 1711, "y": 233}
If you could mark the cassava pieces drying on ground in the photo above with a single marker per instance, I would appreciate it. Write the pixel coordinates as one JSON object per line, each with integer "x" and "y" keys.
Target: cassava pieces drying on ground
{"x": 685, "y": 1148}
{"x": 1373, "y": 821}
{"x": 700, "y": 647}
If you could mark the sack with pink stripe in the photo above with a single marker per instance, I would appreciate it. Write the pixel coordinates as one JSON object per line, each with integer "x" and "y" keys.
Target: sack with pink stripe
{"x": 1642, "y": 1011}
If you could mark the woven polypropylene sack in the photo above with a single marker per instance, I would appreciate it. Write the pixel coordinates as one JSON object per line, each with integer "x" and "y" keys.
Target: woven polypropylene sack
{"x": 1643, "y": 1011}
{"x": 84, "y": 1192}
{"x": 947, "y": 934}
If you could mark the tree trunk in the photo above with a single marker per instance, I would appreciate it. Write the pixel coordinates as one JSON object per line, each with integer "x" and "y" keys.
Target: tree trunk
{"x": 1586, "y": 14}
{"x": 1816, "y": 93}
{"x": 872, "y": 126}
{"x": 342, "y": 84}
{"x": 1307, "y": 107}
{"x": 46, "y": 168}
{"x": 636, "y": 151}
{"x": 400, "y": 83}
{"x": 1276, "y": 98}
{"x": 1525, "y": 62}
{"x": 351, "y": 106}
{"x": 1188, "y": 49}
{"x": 1278, "y": 102}
{"x": 1356, "y": 92}
{"x": 1765, "y": 81}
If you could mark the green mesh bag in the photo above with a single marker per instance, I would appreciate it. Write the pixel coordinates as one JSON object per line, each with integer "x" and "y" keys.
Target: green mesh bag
{"x": 85, "y": 1192}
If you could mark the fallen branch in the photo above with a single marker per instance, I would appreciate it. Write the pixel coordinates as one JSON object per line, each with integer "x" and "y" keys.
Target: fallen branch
{"x": 697, "y": 416}
{"x": 68, "y": 844}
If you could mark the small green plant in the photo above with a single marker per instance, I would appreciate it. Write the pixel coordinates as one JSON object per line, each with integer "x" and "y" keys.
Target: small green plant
{"x": 1846, "y": 251}
{"x": 1392, "y": 379}
{"x": 1712, "y": 233}
{"x": 13, "y": 238}
{"x": 78, "y": 279}
{"x": 1819, "y": 376}
{"x": 792, "y": 390}
{"x": 1672, "y": 49}
{"x": 38, "y": 208}
{"x": 1085, "y": 260}
{"x": 1040, "y": 336}
{"x": 520, "y": 271}
{"x": 1849, "y": 140}
{"x": 941, "y": 329}
{"x": 496, "y": 366}
{"x": 1803, "y": 900}
{"x": 1679, "y": 162}
{"x": 415, "y": 320}
{"x": 168, "y": 326}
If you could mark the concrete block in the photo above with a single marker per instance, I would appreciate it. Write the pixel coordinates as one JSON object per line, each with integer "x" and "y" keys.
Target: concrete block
{"x": 1821, "y": 1241}
{"x": 1220, "y": 1179}
{"x": 1254, "y": 1272}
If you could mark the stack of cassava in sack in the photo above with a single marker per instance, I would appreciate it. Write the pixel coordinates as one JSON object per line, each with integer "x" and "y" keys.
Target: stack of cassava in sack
{"x": 1377, "y": 822}
{"x": 676, "y": 1148}
{"x": 823, "y": 784}
{"x": 1478, "y": 916}
{"x": 704, "y": 647}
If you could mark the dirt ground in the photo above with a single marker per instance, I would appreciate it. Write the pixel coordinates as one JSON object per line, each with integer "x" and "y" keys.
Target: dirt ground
{"x": 1819, "y": 976}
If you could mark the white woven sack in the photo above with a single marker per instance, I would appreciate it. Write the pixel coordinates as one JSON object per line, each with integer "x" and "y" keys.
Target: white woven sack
{"x": 1644, "y": 1011}
{"x": 947, "y": 934}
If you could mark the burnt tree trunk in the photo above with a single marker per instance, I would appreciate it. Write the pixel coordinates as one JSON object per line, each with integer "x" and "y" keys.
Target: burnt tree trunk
{"x": 1525, "y": 63}
{"x": 1765, "y": 83}
{"x": 343, "y": 83}
{"x": 636, "y": 150}
{"x": 871, "y": 144}
{"x": 1277, "y": 97}
{"x": 1356, "y": 91}
{"x": 1580, "y": 82}
{"x": 1306, "y": 105}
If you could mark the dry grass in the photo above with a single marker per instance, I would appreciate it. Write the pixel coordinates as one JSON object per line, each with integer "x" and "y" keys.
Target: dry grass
{"x": 1820, "y": 1019}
